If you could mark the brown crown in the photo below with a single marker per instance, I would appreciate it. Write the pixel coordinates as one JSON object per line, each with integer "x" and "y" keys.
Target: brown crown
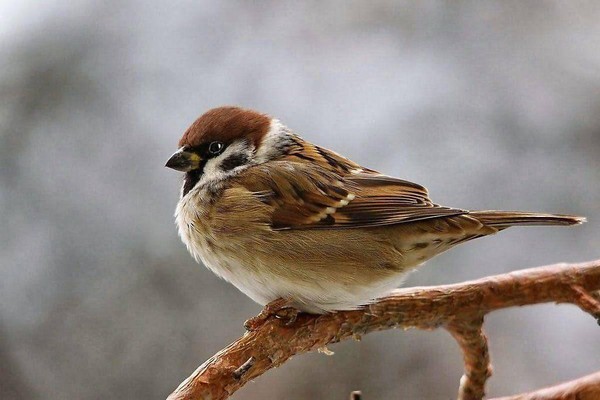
{"x": 226, "y": 124}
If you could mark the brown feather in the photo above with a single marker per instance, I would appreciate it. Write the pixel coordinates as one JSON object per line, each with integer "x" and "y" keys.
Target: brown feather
{"x": 331, "y": 192}
{"x": 226, "y": 124}
{"x": 329, "y": 195}
{"x": 504, "y": 219}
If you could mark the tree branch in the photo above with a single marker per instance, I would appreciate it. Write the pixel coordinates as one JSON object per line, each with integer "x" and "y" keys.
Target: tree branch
{"x": 586, "y": 388}
{"x": 459, "y": 308}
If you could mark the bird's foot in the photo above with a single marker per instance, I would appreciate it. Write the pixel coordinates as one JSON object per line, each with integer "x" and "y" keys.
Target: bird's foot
{"x": 280, "y": 309}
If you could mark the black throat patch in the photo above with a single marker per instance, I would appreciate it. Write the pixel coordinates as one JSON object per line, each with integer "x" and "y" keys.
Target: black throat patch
{"x": 189, "y": 181}
{"x": 191, "y": 178}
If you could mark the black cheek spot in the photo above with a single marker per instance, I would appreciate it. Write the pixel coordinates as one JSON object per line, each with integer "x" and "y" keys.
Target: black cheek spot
{"x": 422, "y": 245}
{"x": 233, "y": 161}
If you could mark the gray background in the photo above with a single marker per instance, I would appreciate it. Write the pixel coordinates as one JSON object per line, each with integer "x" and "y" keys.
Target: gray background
{"x": 489, "y": 104}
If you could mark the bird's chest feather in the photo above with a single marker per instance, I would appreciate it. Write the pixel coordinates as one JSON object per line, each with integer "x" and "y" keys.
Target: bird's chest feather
{"x": 195, "y": 215}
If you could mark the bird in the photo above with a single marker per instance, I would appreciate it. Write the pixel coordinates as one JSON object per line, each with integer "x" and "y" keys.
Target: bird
{"x": 295, "y": 225}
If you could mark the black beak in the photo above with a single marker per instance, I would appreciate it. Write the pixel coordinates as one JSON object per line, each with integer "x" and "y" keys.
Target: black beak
{"x": 184, "y": 161}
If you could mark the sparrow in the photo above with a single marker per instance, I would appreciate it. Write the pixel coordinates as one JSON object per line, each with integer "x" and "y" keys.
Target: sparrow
{"x": 293, "y": 224}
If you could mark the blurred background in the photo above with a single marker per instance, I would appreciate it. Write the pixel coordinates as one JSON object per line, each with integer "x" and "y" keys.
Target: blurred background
{"x": 491, "y": 105}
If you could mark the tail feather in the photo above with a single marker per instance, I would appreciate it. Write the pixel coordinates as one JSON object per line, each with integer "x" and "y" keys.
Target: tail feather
{"x": 504, "y": 219}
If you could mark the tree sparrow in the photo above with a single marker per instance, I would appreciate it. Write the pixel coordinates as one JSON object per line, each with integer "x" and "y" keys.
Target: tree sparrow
{"x": 282, "y": 218}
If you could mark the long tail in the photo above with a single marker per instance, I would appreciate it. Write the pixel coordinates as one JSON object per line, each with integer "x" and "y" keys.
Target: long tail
{"x": 504, "y": 219}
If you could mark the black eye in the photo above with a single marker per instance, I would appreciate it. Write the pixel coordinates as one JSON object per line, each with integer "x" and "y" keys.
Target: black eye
{"x": 215, "y": 148}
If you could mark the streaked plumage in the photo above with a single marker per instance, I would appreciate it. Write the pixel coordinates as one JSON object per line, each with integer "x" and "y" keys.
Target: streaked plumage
{"x": 279, "y": 217}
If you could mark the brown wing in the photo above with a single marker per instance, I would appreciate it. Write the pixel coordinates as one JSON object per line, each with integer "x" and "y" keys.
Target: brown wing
{"x": 384, "y": 200}
{"x": 305, "y": 195}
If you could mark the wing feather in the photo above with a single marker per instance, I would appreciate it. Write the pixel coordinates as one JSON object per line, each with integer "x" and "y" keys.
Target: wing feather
{"x": 306, "y": 195}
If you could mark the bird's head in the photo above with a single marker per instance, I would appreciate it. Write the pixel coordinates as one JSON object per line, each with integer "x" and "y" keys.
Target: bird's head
{"x": 226, "y": 140}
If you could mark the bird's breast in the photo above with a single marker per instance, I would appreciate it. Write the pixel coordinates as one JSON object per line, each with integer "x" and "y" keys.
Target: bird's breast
{"x": 192, "y": 217}
{"x": 224, "y": 256}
